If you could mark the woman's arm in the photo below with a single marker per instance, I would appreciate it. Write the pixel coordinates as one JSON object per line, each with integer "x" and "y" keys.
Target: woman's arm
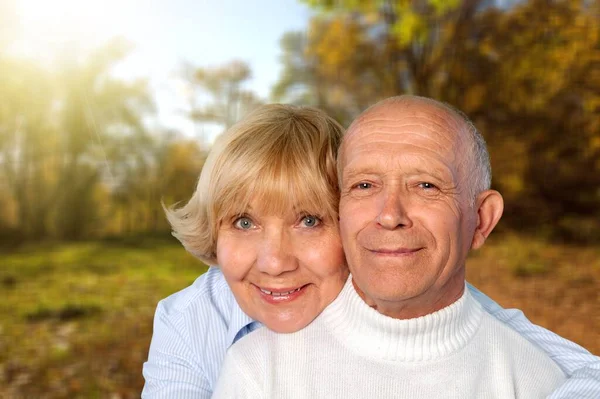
{"x": 169, "y": 372}
{"x": 581, "y": 367}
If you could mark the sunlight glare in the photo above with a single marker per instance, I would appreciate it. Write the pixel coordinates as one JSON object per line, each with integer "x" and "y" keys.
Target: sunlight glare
{"x": 45, "y": 27}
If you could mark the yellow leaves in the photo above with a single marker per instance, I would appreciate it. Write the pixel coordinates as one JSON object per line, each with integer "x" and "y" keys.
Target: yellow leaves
{"x": 443, "y": 6}
{"x": 474, "y": 98}
{"x": 347, "y": 63}
{"x": 372, "y": 17}
{"x": 182, "y": 157}
{"x": 595, "y": 143}
{"x": 409, "y": 28}
{"x": 527, "y": 72}
{"x": 333, "y": 43}
{"x": 413, "y": 23}
{"x": 539, "y": 51}
{"x": 512, "y": 184}
{"x": 592, "y": 105}
{"x": 509, "y": 163}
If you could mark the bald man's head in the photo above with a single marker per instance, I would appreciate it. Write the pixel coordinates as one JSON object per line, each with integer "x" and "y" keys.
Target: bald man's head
{"x": 413, "y": 203}
{"x": 473, "y": 159}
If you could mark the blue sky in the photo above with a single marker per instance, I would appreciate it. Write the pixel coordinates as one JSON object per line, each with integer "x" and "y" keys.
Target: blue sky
{"x": 165, "y": 34}
{"x": 213, "y": 32}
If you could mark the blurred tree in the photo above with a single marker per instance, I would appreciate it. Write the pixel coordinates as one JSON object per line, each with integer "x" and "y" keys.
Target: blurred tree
{"x": 28, "y": 138}
{"x": 527, "y": 73}
{"x": 76, "y": 156}
{"x": 383, "y": 48}
{"x": 530, "y": 77}
{"x": 183, "y": 161}
{"x": 97, "y": 112}
{"x": 166, "y": 171}
{"x": 56, "y": 132}
{"x": 298, "y": 83}
{"x": 222, "y": 92}
{"x": 313, "y": 73}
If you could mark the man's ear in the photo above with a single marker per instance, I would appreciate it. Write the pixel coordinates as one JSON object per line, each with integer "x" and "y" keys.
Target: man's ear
{"x": 489, "y": 211}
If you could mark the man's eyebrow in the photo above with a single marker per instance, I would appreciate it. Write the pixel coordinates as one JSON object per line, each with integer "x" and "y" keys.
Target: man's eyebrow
{"x": 439, "y": 174}
{"x": 436, "y": 173}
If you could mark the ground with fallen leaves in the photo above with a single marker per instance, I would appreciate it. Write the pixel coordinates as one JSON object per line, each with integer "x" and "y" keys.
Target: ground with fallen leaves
{"x": 76, "y": 319}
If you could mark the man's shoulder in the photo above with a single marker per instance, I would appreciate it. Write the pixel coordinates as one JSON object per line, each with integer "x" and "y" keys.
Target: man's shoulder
{"x": 511, "y": 344}
{"x": 502, "y": 334}
{"x": 532, "y": 372}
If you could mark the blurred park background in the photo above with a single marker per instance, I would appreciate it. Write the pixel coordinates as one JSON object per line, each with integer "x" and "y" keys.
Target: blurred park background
{"x": 107, "y": 108}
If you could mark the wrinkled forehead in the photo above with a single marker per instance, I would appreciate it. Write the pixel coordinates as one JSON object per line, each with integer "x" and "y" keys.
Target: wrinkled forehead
{"x": 415, "y": 123}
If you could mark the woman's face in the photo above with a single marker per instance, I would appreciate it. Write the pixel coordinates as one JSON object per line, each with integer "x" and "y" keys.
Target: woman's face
{"x": 283, "y": 269}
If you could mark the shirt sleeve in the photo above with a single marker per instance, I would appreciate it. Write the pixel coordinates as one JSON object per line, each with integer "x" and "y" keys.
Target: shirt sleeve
{"x": 170, "y": 371}
{"x": 579, "y": 365}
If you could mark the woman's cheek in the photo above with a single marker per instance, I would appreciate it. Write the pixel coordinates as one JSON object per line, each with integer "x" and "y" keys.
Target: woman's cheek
{"x": 235, "y": 256}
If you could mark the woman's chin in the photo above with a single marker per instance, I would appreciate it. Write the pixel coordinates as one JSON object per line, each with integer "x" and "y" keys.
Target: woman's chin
{"x": 287, "y": 326}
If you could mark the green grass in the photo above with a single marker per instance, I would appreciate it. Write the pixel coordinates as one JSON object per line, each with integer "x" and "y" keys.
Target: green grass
{"x": 76, "y": 319}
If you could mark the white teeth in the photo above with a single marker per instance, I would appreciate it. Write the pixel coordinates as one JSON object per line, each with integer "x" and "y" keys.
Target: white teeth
{"x": 280, "y": 293}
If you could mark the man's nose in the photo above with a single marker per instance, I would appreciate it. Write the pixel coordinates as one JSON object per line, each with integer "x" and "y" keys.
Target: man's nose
{"x": 393, "y": 211}
{"x": 275, "y": 255}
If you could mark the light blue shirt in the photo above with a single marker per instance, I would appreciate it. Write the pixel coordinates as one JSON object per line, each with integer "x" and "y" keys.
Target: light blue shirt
{"x": 194, "y": 327}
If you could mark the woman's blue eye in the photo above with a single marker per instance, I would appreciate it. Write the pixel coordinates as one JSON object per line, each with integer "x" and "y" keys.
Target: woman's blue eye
{"x": 364, "y": 186}
{"x": 310, "y": 221}
{"x": 243, "y": 223}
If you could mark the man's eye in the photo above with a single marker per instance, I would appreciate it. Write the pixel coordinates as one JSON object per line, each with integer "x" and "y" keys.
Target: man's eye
{"x": 427, "y": 185}
{"x": 243, "y": 223}
{"x": 310, "y": 221}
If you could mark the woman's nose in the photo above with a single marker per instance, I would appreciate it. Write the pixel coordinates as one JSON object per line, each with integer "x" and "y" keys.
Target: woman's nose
{"x": 275, "y": 255}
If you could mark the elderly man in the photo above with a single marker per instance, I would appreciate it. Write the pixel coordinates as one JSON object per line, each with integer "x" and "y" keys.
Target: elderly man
{"x": 415, "y": 198}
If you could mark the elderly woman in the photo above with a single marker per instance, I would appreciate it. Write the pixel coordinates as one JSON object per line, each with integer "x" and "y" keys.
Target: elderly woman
{"x": 265, "y": 212}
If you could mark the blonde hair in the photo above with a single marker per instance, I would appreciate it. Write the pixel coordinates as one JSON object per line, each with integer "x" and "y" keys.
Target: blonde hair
{"x": 282, "y": 156}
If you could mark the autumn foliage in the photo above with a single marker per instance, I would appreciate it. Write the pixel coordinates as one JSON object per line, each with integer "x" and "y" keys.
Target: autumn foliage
{"x": 526, "y": 72}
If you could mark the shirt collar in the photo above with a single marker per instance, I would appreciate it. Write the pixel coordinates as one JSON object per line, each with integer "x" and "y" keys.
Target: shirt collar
{"x": 240, "y": 323}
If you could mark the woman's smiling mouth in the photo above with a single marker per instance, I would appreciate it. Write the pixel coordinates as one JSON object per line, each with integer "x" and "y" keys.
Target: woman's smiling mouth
{"x": 272, "y": 295}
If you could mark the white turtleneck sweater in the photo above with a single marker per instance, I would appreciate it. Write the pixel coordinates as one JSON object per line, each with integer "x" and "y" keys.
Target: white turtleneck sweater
{"x": 353, "y": 351}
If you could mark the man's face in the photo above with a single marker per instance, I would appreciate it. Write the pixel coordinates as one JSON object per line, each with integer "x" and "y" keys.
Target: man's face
{"x": 405, "y": 218}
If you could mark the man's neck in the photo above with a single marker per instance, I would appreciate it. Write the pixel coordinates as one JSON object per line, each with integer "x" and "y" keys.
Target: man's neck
{"x": 428, "y": 302}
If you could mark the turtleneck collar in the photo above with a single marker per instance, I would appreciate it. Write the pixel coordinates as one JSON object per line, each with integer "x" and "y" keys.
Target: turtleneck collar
{"x": 361, "y": 328}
